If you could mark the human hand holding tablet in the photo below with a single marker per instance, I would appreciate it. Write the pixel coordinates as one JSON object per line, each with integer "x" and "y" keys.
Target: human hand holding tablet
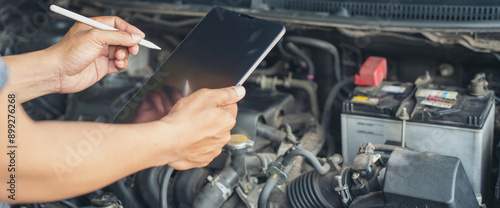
{"x": 221, "y": 51}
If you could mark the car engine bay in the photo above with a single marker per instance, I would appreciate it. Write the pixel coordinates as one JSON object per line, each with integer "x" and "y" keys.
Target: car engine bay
{"x": 318, "y": 127}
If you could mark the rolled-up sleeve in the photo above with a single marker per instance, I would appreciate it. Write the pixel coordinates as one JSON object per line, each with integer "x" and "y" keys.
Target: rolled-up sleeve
{"x": 4, "y": 73}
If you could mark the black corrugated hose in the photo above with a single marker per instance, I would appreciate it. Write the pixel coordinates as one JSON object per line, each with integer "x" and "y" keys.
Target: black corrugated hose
{"x": 288, "y": 162}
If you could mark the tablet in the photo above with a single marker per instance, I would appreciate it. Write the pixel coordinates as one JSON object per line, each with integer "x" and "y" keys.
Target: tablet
{"x": 221, "y": 51}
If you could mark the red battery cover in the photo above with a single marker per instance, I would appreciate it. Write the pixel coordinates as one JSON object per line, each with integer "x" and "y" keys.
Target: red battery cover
{"x": 372, "y": 72}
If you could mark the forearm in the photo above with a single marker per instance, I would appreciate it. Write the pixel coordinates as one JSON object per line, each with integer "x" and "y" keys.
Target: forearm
{"x": 78, "y": 158}
{"x": 58, "y": 160}
{"x": 32, "y": 74}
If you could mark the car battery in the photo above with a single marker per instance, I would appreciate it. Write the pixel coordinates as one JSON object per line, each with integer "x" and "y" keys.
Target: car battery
{"x": 443, "y": 120}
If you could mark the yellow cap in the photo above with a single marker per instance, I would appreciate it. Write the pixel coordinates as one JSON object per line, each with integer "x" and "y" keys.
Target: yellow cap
{"x": 237, "y": 139}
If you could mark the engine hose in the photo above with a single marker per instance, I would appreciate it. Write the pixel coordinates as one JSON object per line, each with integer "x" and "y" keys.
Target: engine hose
{"x": 322, "y": 45}
{"x": 283, "y": 51}
{"x": 307, "y": 85}
{"x": 314, "y": 190}
{"x": 270, "y": 133}
{"x": 309, "y": 157}
{"x": 311, "y": 92}
{"x": 327, "y": 111}
{"x": 297, "y": 121}
{"x": 164, "y": 187}
{"x": 310, "y": 66}
{"x": 268, "y": 187}
{"x": 312, "y": 141}
{"x": 216, "y": 192}
{"x": 266, "y": 191}
{"x": 274, "y": 69}
{"x": 257, "y": 164}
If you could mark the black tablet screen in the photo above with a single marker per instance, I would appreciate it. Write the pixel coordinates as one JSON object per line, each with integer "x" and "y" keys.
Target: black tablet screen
{"x": 219, "y": 52}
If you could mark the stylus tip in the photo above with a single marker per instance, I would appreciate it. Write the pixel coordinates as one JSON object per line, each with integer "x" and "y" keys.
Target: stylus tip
{"x": 149, "y": 44}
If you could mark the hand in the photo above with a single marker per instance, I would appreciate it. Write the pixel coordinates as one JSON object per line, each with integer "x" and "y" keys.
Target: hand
{"x": 200, "y": 124}
{"x": 157, "y": 104}
{"x": 86, "y": 54}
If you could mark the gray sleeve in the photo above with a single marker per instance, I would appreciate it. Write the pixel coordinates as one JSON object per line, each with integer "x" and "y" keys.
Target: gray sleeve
{"x": 4, "y": 73}
{"x": 3, "y": 80}
{"x": 4, "y": 205}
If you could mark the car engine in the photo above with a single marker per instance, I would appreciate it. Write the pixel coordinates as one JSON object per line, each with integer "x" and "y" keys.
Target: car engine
{"x": 363, "y": 112}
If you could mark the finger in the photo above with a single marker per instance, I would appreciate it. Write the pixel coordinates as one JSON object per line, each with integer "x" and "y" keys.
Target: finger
{"x": 157, "y": 102}
{"x": 110, "y": 52}
{"x": 166, "y": 102}
{"x": 118, "y": 38}
{"x": 223, "y": 138}
{"x": 208, "y": 157}
{"x": 215, "y": 153}
{"x": 226, "y": 96}
{"x": 225, "y": 120}
{"x": 112, "y": 68}
{"x": 231, "y": 108}
{"x": 134, "y": 50}
{"x": 144, "y": 105}
{"x": 120, "y": 65}
{"x": 121, "y": 53}
{"x": 180, "y": 165}
{"x": 119, "y": 24}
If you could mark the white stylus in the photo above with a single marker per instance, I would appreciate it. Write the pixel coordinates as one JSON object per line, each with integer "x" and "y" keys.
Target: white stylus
{"x": 186, "y": 90}
{"x": 95, "y": 24}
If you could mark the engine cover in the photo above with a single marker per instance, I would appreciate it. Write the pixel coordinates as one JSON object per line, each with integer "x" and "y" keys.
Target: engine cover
{"x": 415, "y": 179}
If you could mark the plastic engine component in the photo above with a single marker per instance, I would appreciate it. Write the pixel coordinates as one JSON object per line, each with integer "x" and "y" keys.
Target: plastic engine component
{"x": 372, "y": 72}
{"x": 314, "y": 190}
{"x": 416, "y": 179}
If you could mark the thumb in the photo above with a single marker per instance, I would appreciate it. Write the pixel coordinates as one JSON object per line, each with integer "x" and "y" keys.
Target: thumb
{"x": 118, "y": 38}
{"x": 228, "y": 95}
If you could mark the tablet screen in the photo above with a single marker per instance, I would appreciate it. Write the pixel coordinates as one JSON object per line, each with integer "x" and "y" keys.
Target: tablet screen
{"x": 221, "y": 51}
